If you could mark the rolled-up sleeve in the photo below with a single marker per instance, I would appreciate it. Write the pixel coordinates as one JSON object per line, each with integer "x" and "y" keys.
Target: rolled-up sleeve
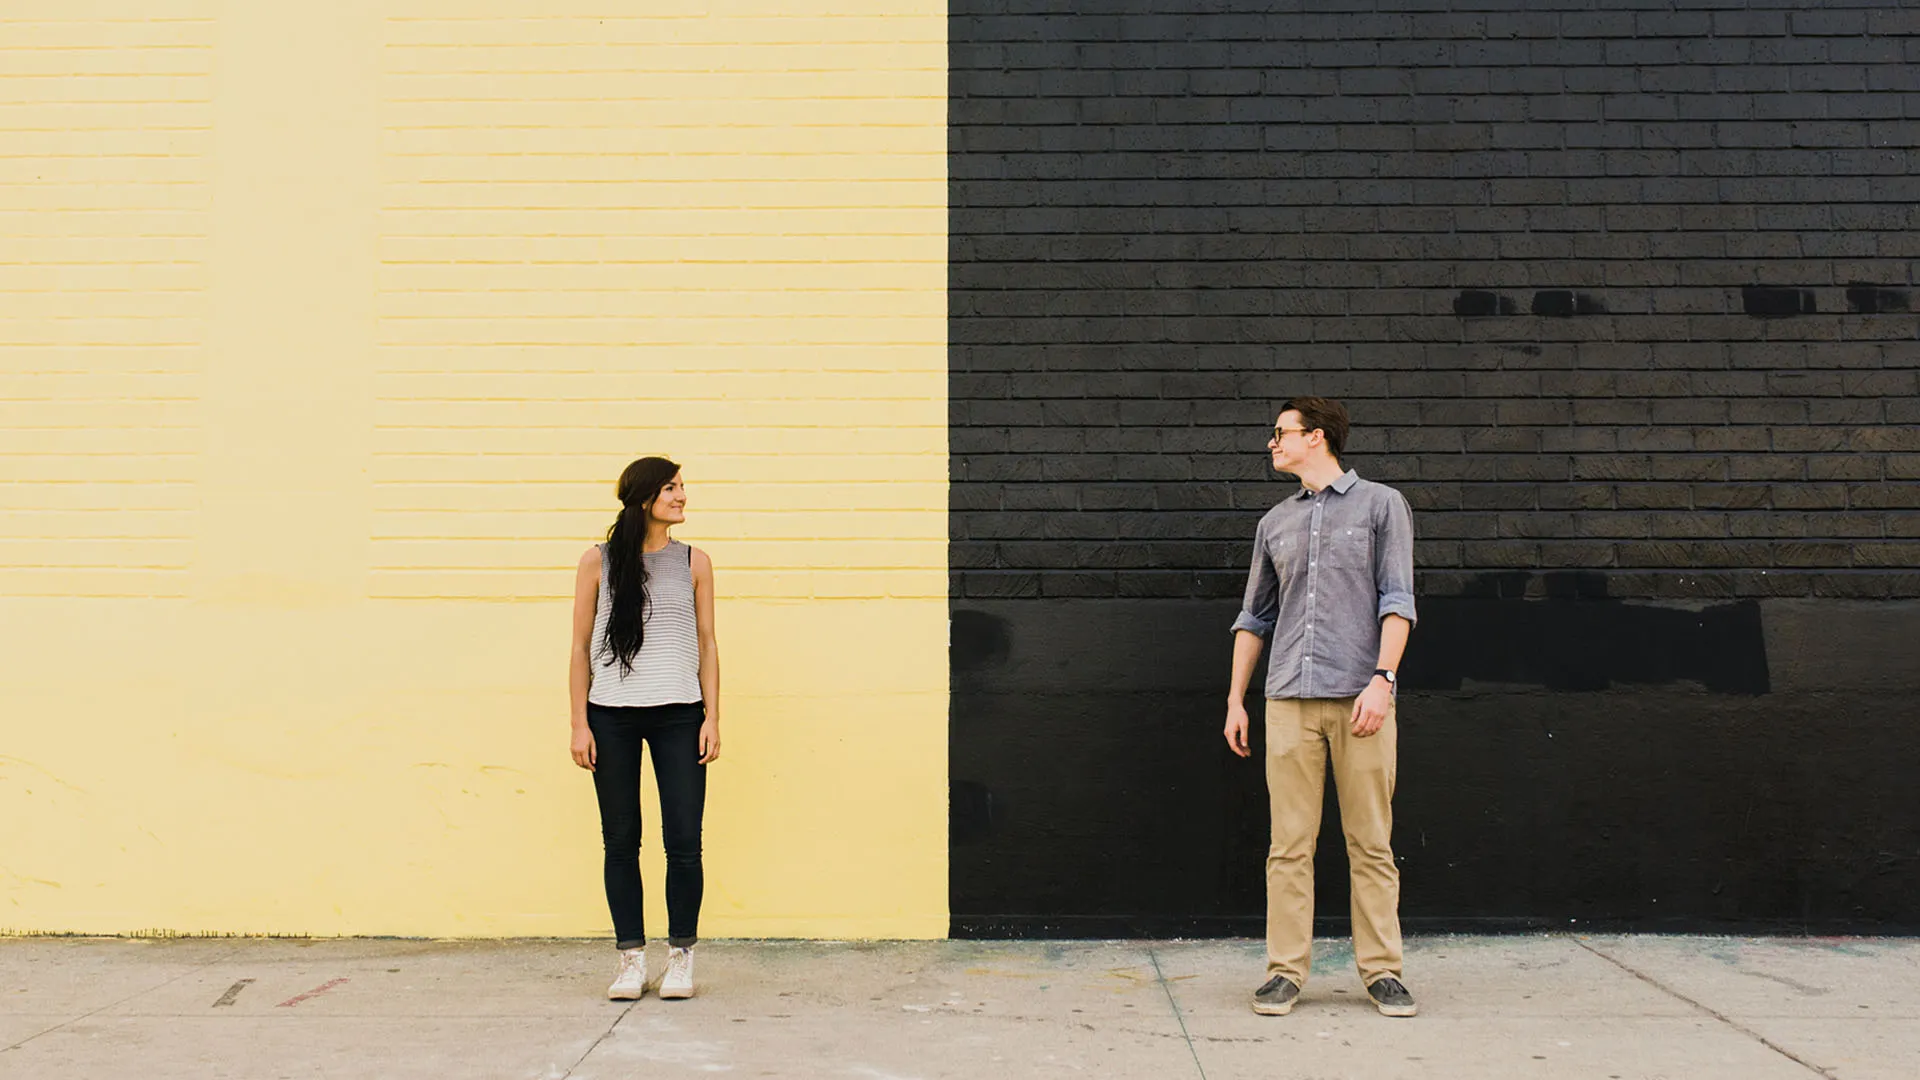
{"x": 1261, "y": 606}
{"x": 1393, "y": 566}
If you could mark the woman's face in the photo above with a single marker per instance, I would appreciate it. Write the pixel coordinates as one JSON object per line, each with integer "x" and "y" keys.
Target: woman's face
{"x": 670, "y": 506}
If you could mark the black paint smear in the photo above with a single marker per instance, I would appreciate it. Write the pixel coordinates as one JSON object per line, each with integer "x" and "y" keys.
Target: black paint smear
{"x": 1866, "y": 299}
{"x": 1561, "y": 303}
{"x": 1577, "y": 639}
{"x": 232, "y": 993}
{"x": 1478, "y": 302}
{"x": 1768, "y": 303}
{"x": 969, "y": 812}
{"x": 976, "y": 640}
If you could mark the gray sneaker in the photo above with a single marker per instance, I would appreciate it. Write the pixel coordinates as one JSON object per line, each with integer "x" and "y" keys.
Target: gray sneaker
{"x": 1391, "y": 997}
{"x": 1276, "y": 998}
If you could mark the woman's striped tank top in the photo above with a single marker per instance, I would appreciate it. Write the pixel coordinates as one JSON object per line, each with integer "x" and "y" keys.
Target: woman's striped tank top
{"x": 666, "y": 670}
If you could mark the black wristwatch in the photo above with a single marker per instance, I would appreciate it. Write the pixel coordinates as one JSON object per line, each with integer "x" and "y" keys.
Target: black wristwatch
{"x": 1393, "y": 685}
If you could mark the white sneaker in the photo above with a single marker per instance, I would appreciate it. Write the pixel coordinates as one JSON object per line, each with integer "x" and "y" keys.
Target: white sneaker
{"x": 678, "y": 981}
{"x": 632, "y": 980}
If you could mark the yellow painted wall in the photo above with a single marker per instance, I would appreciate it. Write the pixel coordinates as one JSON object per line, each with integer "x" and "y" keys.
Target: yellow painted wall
{"x": 327, "y": 328}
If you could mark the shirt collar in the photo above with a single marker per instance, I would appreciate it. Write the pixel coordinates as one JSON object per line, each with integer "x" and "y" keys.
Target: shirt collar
{"x": 1340, "y": 486}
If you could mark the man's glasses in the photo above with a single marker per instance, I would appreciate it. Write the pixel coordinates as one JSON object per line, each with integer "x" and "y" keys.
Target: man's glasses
{"x": 1281, "y": 432}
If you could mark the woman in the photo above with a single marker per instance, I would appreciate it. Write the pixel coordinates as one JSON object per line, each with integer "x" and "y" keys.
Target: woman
{"x": 646, "y": 668}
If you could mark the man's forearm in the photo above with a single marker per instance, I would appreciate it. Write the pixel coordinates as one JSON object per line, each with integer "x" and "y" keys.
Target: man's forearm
{"x": 1394, "y": 630}
{"x": 1246, "y": 656}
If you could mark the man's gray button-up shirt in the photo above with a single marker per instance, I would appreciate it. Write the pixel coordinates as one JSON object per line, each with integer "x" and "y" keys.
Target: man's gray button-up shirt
{"x": 1327, "y": 567}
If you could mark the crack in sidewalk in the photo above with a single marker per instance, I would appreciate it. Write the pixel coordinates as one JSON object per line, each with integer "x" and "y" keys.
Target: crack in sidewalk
{"x": 1817, "y": 1070}
{"x": 1175, "y": 1006}
{"x": 603, "y": 1038}
{"x": 116, "y": 1004}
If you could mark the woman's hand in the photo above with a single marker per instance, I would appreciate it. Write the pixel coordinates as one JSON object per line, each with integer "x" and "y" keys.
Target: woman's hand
{"x": 584, "y": 754}
{"x": 710, "y": 740}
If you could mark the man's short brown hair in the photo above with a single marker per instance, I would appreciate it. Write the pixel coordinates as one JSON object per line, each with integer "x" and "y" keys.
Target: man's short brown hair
{"x": 1324, "y": 414}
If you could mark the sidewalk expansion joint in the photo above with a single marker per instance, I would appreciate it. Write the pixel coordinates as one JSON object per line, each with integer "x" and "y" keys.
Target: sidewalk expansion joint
{"x": 603, "y": 1038}
{"x": 115, "y": 1004}
{"x": 1175, "y": 1006}
{"x": 1710, "y": 1011}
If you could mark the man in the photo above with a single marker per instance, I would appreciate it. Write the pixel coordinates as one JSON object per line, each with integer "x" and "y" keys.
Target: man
{"x": 1332, "y": 581}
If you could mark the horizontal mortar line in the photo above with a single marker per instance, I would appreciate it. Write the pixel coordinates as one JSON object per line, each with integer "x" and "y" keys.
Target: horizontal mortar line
{"x": 128, "y": 47}
{"x": 468, "y": 455}
{"x": 71, "y": 130}
{"x": 111, "y": 21}
{"x": 43, "y": 106}
{"x": 91, "y": 428}
{"x": 794, "y": 598}
{"x": 574, "y": 290}
{"x": 452, "y": 179}
{"x": 798, "y": 399}
{"x": 456, "y": 238}
{"x": 1302, "y": 234}
{"x": 597, "y": 482}
{"x": 704, "y": 234}
{"x": 92, "y": 481}
{"x": 574, "y": 374}
{"x": 105, "y": 75}
{"x": 649, "y": 41}
{"x": 850, "y": 125}
{"x": 104, "y": 183}
{"x": 71, "y": 594}
{"x": 563, "y": 568}
{"x": 625, "y": 180}
{"x": 689, "y": 343}
{"x": 747, "y": 47}
{"x": 732, "y": 208}
{"x": 928, "y": 43}
{"x": 601, "y": 372}
{"x": 571, "y": 537}
{"x": 144, "y": 453}
{"x": 99, "y": 157}
{"x": 642, "y": 315}
{"x": 810, "y": 263}
{"x": 167, "y": 568}
{"x": 602, "y": 100}
{"x": 93, "y": 538}
{"x": 610, "y": 155}
{"x": 701, "y": 16}
{"x": 68, "y": 345}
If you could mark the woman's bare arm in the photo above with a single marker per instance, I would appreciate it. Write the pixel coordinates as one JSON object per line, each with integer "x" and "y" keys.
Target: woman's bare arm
{"x": 586, "y": 595}
{"x": 709, "y": 655}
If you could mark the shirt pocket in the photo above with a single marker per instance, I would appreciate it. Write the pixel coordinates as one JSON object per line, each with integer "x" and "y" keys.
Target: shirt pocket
{"x": 1349, "y": 548}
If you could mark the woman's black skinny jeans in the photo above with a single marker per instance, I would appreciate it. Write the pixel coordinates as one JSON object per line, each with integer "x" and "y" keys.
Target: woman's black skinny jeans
{"x": 674, "y": 734}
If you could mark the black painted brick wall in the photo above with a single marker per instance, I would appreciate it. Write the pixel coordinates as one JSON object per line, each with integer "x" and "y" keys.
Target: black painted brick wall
{"x": 1621, "y": 288}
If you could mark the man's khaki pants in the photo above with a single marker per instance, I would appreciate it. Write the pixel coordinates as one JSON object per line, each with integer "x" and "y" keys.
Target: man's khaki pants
{"x": 1300, "y": 736}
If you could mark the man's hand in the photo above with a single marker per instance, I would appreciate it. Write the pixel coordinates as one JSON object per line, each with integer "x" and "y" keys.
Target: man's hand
{"x": 1370, "y": 708}
{"x": 1237, "y": 728}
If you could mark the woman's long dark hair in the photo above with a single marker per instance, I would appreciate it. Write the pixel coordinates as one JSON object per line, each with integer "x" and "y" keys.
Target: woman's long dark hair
{"x": 640, "y": 484}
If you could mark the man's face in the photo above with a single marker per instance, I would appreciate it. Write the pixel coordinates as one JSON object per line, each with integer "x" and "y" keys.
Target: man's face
{"x": 1290, "y": 442}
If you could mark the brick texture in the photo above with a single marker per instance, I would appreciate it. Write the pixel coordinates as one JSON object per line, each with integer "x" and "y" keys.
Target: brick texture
{"x": 1622, "y": 294}
{"x": 714, "y": 234}
{"x": 104, "y": 185}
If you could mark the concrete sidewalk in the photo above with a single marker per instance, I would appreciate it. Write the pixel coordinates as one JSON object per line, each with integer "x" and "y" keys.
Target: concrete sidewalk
{"x": 1551, "y": 1006}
